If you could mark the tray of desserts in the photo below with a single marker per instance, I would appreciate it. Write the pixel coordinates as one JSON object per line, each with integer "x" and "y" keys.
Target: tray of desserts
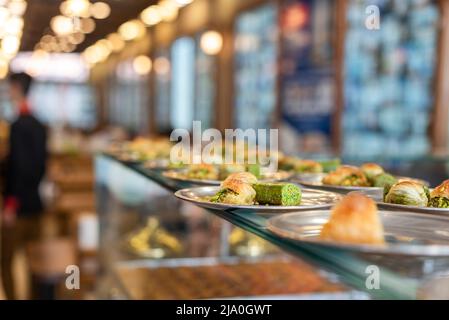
{"x": 140, "y": 150}
{"x": 408, "y": 195}
{"x": 243, "y": 191}
{"x": 370, "y": 179}
{"x": 210, "y": 175}
{"x": 355, "y": 224}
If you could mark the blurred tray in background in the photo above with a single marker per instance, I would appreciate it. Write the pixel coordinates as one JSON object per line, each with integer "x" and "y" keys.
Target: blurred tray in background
{"x": 212, "y": 278}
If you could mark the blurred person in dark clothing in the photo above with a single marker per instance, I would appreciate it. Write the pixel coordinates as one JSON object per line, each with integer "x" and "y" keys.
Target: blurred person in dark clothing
{"x": 24, "y": 169}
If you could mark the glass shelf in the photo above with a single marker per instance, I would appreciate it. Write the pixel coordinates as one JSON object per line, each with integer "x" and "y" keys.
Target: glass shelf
{"x": 400, "y": 278}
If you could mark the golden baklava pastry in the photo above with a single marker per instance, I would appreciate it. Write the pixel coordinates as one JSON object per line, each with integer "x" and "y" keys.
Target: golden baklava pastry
{"x": 408, "y": 192}
{"x": 354, "y": 220}
{"x": 371, "y": 170}
{"x": 237, "y": 189}
{"x": 439, "y": 197}
{"x": 245, "y": 177}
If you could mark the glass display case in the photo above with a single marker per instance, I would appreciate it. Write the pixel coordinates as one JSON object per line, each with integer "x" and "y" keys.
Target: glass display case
{"x": 153, "y": 246}
{"x": 389, "y": 76}
{"x": 149, "y": 239}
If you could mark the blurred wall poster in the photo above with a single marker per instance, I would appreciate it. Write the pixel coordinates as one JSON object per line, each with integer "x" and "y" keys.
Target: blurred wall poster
{"x": 389, "y": 77}
{"x": 307, "y": 75}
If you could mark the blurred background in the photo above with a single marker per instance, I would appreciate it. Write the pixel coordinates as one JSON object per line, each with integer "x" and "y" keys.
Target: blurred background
{"x": 115, "y": 69}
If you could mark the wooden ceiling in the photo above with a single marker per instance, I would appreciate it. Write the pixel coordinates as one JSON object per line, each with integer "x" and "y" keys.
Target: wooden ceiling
{"x": 39, "y": 13}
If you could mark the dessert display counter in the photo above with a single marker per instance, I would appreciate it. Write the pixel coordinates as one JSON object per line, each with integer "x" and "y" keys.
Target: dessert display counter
{"x": 147, "y": 234}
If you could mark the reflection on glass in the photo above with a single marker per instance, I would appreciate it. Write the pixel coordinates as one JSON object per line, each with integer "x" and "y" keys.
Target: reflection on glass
{"x": 255, "y": 67}
{"x": 247, "y": 244}
{"x": 129, "y": 98}
{"x": 153, "y": 241}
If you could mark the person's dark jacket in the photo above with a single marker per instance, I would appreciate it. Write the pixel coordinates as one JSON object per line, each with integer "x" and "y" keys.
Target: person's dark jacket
{"x": 26, "y": 164}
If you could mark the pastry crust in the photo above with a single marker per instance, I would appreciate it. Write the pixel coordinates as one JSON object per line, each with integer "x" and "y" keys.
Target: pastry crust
{"x": 342, "y": 176}
{"x": 236, "y": 185}
{"x": 371, "y": 170}
{"x": 237, "y": 189}
{"x": 203, "y": 171}
{"x": 441, "y": 191}
{"x": 354, "y": 220}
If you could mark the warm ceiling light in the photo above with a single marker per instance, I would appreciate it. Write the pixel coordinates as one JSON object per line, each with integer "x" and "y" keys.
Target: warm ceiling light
{"x": 162, "y": 65}
{"x": 37, "y": 63}
{"x": 87, "y": 25}
{"x": 168, "y": 10}
{"x": 17, "y": 7}
{"x": 54, "y": 46}
{"x": 4, "y": 14}
{"x": 211, "y": 42}
{"x": 132, "y": 29}
{"x": 182, "y": 3}
{"x": 90, "y": 55}
{"x": 103, "y": 49}
{"x": 100, "y": 10}
{"x": 106, "y": 43}
{"x": 3, "y": 68}
{"x": 76, "y": 38}
{"x": 76, "y": 8}
{"x": 95, "y": 53}
{"x": 142, "y": 65}
{"x": 10, "y": 45}
{"x": 151, "y": 16}
{"x": 61, "y": 25}
{"x": 14, "y": 26}
{"x": 117, "y": 42}
{"x": 63, "y": 8}
{"x": 44, "y": 46}
{"x": 47, "y": 38}
{"x": 62, "y": 41}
